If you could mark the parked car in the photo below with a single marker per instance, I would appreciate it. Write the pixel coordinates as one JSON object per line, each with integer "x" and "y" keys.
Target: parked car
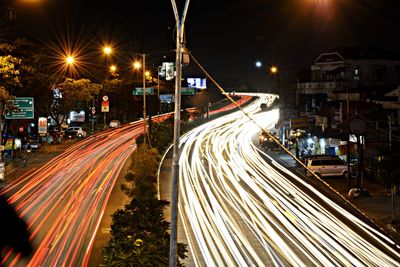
{"x": 30, "y": 145}
{"x": 327, "y": 166}
{"x": 75, "y": 131}
{"x": 115, "y": 124}
{"x": 35, "y": 145}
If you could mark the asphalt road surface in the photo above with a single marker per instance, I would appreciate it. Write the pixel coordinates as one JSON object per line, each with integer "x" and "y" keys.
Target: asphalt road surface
{"x": 239, "y": 209}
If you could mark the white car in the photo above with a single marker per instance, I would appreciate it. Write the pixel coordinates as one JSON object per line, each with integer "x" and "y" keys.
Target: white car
{"x": 75, "y": 131}
{"x": 115, "y": 124}
{"x": 327, "y": 166}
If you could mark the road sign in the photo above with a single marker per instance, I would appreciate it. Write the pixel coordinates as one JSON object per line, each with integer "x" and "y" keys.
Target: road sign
{"x": 93, "y": 111}
{"x": 139, "y": 91}
{"x": 22, "y": 108}
{"x": 188, "y": 91}
{"x": 105, "y": 98}
{"x": 105, "y": 106}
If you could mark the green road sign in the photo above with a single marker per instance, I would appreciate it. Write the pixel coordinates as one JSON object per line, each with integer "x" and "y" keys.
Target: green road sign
{"x": 188, "y": 91}
{"x": 139, "y": 91}
{"x": 22, "y": 108}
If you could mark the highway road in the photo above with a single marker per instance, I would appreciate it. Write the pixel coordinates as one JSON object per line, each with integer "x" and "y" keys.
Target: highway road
{"x": 239, "y": 207}
{"x": 63, "y": 202}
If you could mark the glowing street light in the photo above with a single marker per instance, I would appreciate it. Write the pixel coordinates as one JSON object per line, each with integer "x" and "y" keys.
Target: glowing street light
{"x": 137, "y": 65}
{"x": 113, "y": 68}
{"x": 70, "y": 60}
{"x": 107, "y": 50}
{"x": 274, "y": 69}
{"x": 258, "y": 64}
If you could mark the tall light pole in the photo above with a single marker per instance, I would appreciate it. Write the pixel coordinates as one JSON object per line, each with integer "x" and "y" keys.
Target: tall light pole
{"x": 158, "y": 92}
{"x": 180, "y": 22}
{"x": 144, "y": 100}
{"x": 107, "y": 50}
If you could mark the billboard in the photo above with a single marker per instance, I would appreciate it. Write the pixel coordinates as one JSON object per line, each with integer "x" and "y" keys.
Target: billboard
{"x": 167, "y": 71}
{"x": 199, "y": 83}
{"x": 299, "y": 123}
{"x": 167, "y": 98}
{"x": 77, "y": 116}
{"x": 42, "y": 126}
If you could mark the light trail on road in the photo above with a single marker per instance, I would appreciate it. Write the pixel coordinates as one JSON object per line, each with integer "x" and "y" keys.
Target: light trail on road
{"x": 239, "y": 207}
{"x": 63, "y": 202}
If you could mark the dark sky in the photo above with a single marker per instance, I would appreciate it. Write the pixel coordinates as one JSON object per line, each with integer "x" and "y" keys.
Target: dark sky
{"x": 227, "y": 37}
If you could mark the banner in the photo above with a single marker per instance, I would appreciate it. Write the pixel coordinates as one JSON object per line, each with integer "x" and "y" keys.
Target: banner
{"x": 42, "y": 126}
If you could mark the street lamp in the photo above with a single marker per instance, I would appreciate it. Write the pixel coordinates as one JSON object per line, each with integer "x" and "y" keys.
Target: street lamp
{"x": 107, "y": 50}
{"x": 158, "y": 92}
{"x": 70, "y": 60}
{"x": 180, "y": 23}
{"x": 274, "y": 69}
{"x": 138, "y": 65}
{"x": 113, "y": 68}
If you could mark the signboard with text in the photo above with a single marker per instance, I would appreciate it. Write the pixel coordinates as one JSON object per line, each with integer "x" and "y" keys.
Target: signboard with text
{"x": 299, "y": 123}
{"x": 42, "y": 126}
{"x": 139, "y": 91}
{"x": 188, "y": 91}
{"x": 22, "y": 108}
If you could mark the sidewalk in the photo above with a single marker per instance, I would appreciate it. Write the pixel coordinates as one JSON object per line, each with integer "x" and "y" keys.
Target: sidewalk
{"x": 376, "y": 205}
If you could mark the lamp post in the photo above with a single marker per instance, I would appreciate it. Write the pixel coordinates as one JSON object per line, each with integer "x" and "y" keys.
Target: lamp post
{"x": 180, "y": 22}
{"x": 275, "y": 71}
{"x": 107, "y": 50}
{"x": 144, "y": 100}
{"x": 138, "y": 65}
{"x": 158, "y": 92}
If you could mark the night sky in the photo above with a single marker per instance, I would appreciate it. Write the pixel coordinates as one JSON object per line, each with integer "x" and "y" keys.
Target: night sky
{"x": 227, "y": 37}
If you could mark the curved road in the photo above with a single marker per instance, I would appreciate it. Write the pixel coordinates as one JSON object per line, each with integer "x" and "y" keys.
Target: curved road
{"x": 63, "y": 202}
{"x": 241, "y": 208}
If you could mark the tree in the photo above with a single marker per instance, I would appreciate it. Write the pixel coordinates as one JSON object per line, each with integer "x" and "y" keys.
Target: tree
{"x": 71, "y": 94}
{"x": 139, "y": 235}
{"x": 142, "y": 174}
{"x": 9, "y": 78}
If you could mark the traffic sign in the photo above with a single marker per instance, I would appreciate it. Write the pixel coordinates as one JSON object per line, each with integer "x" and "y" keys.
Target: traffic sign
{"x": 22, "y": 108}
{"x": 188, "y": 91}
{"x": 139, "y": 91}
{"x": 105, "y": 106}
{"x": 105, "y": 98}
{"x": 93, "y": 111}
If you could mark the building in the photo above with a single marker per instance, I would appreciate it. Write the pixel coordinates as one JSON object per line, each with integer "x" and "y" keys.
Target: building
{"x": 344, "y": 87}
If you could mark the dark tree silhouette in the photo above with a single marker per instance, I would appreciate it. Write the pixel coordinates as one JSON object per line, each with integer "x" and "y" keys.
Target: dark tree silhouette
{"x": 13, "y": 230}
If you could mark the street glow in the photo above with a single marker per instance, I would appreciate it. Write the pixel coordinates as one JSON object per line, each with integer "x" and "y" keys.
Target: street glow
{"x": 274, "y": 69}
{"x": 113, "y": 68}
{"x": 70, "y": 60}
{"x": 107, "y": 50}
{"x": 147, "y": 73}
{"x": 137, "y": 65}
{"x": 258, "y": 64}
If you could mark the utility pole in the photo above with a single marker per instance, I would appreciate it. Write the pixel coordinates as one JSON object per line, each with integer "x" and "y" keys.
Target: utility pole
{"x": 144, "y": 101}
{"x": 158, "y": 93}
{"x": 177, "y": 117}
{"x": 348, "y": 135}
{"x": 393, "y": 184}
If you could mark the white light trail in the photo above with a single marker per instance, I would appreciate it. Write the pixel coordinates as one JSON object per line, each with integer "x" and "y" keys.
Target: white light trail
{"x": 245, "y": 211}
